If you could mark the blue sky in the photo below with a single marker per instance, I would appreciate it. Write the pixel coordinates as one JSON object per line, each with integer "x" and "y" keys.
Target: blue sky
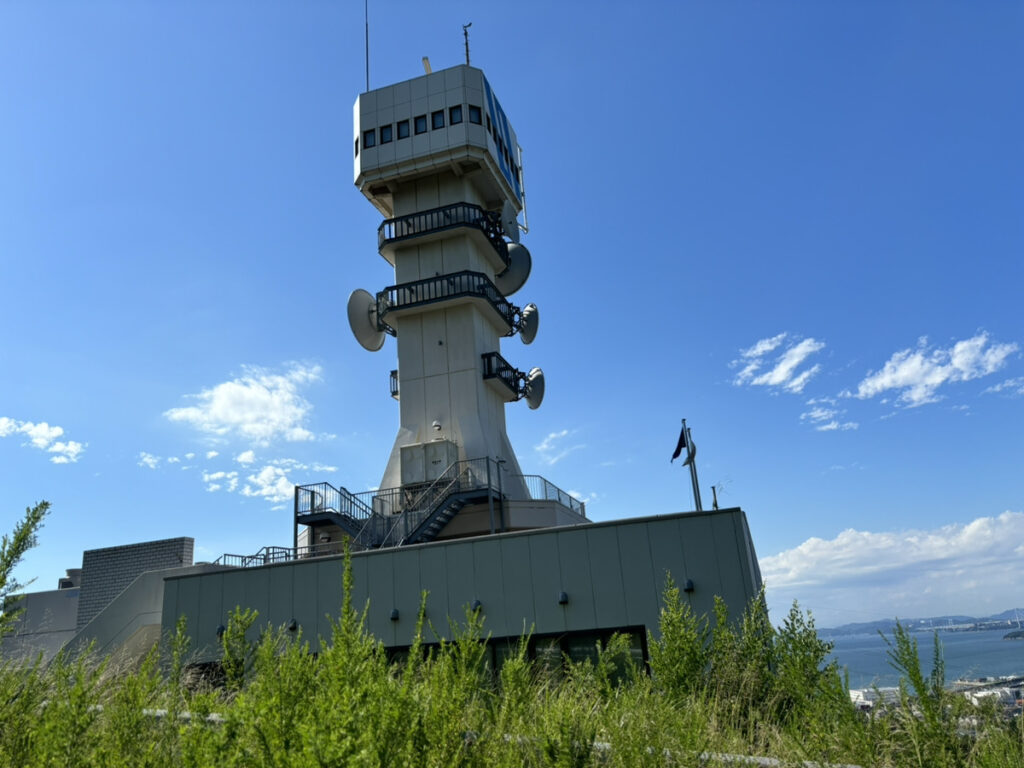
{"x": 796, "y": 224}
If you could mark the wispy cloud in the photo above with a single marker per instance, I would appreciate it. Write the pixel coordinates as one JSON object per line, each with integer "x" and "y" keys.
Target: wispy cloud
{"x": 825, "y": 419}
{"x": 957, "y": 568}
{"x": 148, "y": 460}
{"x": 785, "y": 372}
{"x": 552, "y": 449}
{"x": 917, "y": 374}
{"x": 270, "y": 483}
{"x": 215, "y": 481}
{"x": 44, "y": 437}
{"x": 259, "y": 405}
{"x": 1010, "y": 387}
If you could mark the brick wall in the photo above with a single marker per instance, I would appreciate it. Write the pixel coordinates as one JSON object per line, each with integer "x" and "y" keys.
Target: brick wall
{"x": 106, "y": 572}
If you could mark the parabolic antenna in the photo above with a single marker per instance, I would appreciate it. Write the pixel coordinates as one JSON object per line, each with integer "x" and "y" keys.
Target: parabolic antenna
{"x": 534, "y": 388}
{"x": 529, "y": 321}
{"x": 510, "y": 221}
{"x": 362, "y": 318}
{"x": 519, "y": 265}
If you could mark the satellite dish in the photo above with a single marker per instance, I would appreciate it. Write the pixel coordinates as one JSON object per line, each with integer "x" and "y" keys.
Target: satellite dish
{"x": 529, "y": 320}
{"x": 519, "y": 265}
{"x": 534, "y": 388}
{"x": 362, "y": 318}
{"x": 510, "y": 221}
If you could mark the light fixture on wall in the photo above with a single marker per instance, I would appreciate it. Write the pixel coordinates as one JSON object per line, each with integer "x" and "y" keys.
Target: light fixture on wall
{"x": 563, "y": 598}
{"x": 476, "y": 606}
{"x": 437, "y": 426}
{"x": 220, "y": 631}
{"x": 293, "y": 625}
{"x": 688, "y": 586}
{"x": 394, "y": 614}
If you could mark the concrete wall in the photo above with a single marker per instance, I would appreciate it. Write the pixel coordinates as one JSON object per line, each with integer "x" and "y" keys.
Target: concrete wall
{"x": 107, "y": 572}
{"x": 613, "y": 574}
{"x": 47, "y": 621}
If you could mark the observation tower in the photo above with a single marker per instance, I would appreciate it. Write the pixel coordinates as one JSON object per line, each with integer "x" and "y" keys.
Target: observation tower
{"x": 437, "y": 156}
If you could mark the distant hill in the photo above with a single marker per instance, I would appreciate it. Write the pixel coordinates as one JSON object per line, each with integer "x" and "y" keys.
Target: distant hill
{"x": 933, "y": 622}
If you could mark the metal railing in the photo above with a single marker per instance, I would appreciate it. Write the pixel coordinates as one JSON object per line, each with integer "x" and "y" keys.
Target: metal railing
{"x": 442, "y": 288}
{"x": 497, "y": 367}
{"x": 390, "y": 516}
{"x": 440, "y": 219}
{"x": 542, "y": 489}
{"x": 394, "y": 384}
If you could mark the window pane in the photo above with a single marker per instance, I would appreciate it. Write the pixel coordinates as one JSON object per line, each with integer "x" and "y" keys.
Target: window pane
{"x": 357, "y": 147}
{"x": 403, "y": 129}
{"x": 437, "y": 119}
{"x": 474, "y": 114}
{"x": 421, "y": 123}
{"x": 369, "y": 138}
{"x": 455, "y": 115}
{"x": 385, "y": 134}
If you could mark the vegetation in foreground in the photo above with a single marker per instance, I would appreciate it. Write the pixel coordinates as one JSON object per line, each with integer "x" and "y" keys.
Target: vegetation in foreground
{"x": 710, "y": 690}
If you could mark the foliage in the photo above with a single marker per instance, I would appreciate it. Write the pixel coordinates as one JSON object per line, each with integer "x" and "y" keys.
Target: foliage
{"x": 735, "y": 686}
{"x": 13, "y": 547}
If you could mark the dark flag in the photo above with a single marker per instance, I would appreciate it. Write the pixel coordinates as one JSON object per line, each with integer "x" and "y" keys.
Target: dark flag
{"x": 681, "y": 444}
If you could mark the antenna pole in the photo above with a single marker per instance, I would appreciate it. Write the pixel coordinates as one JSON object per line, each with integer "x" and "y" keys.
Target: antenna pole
{"x": 366, "y": 16}
{"x": 465, "y": 34}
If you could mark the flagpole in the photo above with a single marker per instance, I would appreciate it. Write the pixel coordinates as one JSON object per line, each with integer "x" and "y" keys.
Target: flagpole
{"x": 693, "y": 470}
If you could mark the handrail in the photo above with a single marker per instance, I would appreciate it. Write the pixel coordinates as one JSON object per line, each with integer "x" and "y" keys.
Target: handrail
{"x": 442, "y": 288}
{"x": 443, "y": 218}
{"x": 497, "y": 367}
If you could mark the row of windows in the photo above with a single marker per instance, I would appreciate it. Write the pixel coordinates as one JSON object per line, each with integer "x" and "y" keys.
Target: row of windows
{"x": 386, "y": 133}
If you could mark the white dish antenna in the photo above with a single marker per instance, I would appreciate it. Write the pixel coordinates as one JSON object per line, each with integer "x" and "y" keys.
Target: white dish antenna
{"x": 362, "y": 319}
{"x": 534, "y": 388}
{"x": 510, "y": 221}
{"x": 529, "y": 321}
{"x": 515, "y": 276}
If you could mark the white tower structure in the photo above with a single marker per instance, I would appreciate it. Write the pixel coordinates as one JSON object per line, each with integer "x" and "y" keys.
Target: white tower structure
{"x": 437, "y": 157}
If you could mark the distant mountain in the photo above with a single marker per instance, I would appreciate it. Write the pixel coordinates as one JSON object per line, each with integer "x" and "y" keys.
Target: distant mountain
{"x": 934, "y": 622}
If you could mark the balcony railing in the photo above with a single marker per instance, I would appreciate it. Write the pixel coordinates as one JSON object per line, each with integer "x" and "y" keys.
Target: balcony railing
{"x": 497, "y": 367}
{"x": 444, "y": 288}
{"x": 440, "y": 219}
{"x": 394, "y": 384}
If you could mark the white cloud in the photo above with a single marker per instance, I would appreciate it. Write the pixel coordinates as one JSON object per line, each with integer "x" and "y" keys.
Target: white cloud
{"x": 212, "y": 454}
{"x": 44, "y": 437}
{"x": 269, "y": 483}
{"x": 918, "y": 373}
{"x": 173, "y": 460}
{"x": 824, "y": 419}
{"x": 246, "y": 457}
{"x": 259, "y": 405}
{"x": 783, "y": 374}
{"x": 1011, "y": 386}
{"x": 552, "y": 449}
{"x": 190, "y": 456}
{"x": 215, "y": 481}
{"x": 148, "y": 460}
{"x": 864, "y": 575}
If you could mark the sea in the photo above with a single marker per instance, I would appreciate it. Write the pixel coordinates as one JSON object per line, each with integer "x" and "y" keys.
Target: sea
{"x": 966, "y": 655}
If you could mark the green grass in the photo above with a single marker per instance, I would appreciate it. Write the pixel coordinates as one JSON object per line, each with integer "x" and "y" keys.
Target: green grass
{"x": 712, "y": 686}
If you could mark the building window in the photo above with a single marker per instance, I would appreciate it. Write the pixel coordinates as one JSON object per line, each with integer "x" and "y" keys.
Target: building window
{"x": 474, "y": 115}
{"x": 489, "y": 124}
{"x": 357, "y": 146}
{"x": 403, "y": 129}
{"x": 437, "y": 119}
{"x": 455, "y": 115}
{"x": 369, "y": 138}
{"x": 385, "y": 134}
{"x": 420, "y": 123}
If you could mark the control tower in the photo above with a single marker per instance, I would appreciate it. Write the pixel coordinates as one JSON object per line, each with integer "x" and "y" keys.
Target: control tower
{"x": 437, "y": 156}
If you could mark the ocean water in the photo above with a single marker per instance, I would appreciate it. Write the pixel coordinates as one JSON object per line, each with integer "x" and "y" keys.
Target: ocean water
{"x": 966, "y": 654}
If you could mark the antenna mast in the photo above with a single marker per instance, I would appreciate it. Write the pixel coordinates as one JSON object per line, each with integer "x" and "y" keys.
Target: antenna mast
{"x": 465, "y": 34}
{"x": 366, "y": 16}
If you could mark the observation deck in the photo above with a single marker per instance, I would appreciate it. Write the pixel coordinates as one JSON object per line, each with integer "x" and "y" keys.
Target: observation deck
{"x": 425, "y": 226}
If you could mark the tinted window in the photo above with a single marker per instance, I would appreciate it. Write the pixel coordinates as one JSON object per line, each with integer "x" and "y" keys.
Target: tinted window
{"x": 455, "y": 115}
{"x": 357, "y": 147}
{"x": 420, "y": 123}
{"x": 474, "y": 114}
{"x": 369, "y": 138}
{"x": 403, "y": 129}
{"x": 437, "y": 119}
{"x": 385, "y": 134}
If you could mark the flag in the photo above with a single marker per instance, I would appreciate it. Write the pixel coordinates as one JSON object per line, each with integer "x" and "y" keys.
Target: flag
{"x": 680, "y": 445}
{"x": 691, "y": 450}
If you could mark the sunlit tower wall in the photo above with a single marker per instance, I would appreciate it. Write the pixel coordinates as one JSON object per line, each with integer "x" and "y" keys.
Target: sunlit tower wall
{"x": 437, "y": 157}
